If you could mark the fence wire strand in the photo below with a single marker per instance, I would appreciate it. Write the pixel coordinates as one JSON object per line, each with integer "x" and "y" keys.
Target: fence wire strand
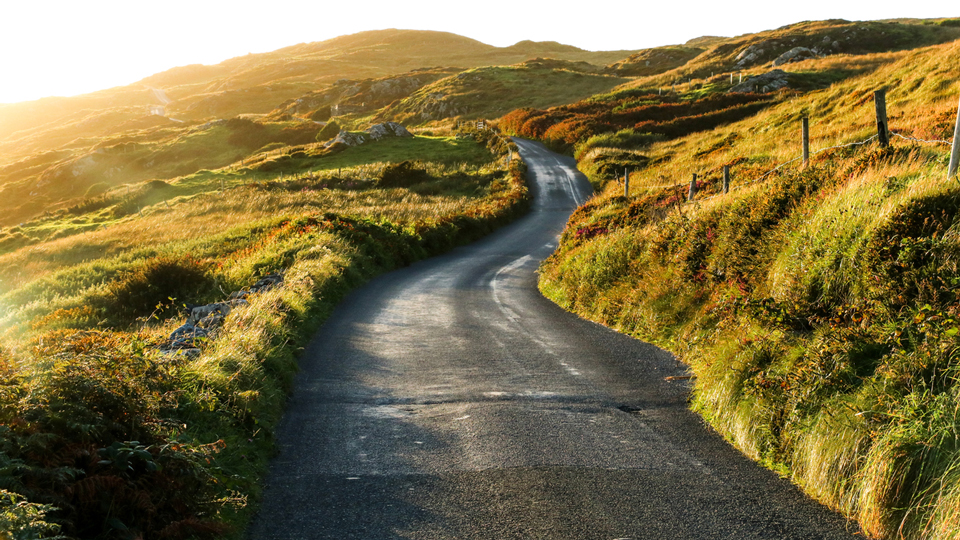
{"x": 782, "y": 165}
{"x": 768, "y": 173}
{"x": 935, "y": 141}
{"x": 778, "y": 167}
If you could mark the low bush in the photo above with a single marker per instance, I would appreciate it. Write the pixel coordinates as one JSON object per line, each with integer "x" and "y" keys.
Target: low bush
{"x": 247, "y": 133}
{"x": 627, "y": 139}
{"x": 329, "y": 131}
{"x": 321, "y": 115}
{"x": 403, "y": 174}
{"x": 159, "y": 286}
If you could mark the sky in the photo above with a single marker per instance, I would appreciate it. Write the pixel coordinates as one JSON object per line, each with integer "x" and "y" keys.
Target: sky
{"x": 70, "y": 47}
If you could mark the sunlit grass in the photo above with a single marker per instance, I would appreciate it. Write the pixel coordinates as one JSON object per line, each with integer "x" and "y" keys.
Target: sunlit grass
{"x": 82, "y": 316}
{"x": 816, "y": 306}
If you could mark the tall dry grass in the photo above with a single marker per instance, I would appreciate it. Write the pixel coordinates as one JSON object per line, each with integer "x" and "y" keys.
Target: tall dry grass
{"x": 817, "y": 307}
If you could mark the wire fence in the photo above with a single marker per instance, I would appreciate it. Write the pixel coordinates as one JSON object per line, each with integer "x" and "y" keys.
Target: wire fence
{"x": 920, "y": 140}
{"x": 764, "y": 176}
{"x": 794, "y": 160}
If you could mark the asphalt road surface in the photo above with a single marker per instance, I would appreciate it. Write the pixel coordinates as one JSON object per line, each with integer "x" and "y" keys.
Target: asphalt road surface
{"x": 450, "y": 400}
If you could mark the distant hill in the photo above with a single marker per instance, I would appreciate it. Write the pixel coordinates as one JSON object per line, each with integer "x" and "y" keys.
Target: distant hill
{"x": 257, "y": 83}
{"x": 491, "y": 92}
{"x": 56, "y": 151}
{"x": 705, "y": 56}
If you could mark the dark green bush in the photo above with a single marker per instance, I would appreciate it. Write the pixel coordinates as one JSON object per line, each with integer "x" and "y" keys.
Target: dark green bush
{"x": 301, "y": 134}
{"x": 403, "y": 174}
{"x": 329, "y": 131}
{"x": 90, "y": 441}
{"x": 321, "y": 115}
{"x": 907, "y": 255}
{"x": 156, "y": 287}
{"x": 247, "y": 133}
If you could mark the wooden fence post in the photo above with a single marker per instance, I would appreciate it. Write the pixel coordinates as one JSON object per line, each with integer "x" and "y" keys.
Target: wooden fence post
{"x": 693, "y": 188}
{"x": 880, "y": 99}
{"x": 955, "y": 151}
{"x": 805, "y": 129}
{"x": 726, "y": 179}
{"x": 626, "y": 183}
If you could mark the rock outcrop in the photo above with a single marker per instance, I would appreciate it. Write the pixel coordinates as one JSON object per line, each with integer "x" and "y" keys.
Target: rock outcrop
{"x": 388, "y": 129}
{"x": 346, "y": 138}
{"x": 749, "y": 56}
{"x": 203, "y": 322}
{"x": 762, "y": 84}
{"x": 375, "y": 132}
{"x": 796, "y": 54}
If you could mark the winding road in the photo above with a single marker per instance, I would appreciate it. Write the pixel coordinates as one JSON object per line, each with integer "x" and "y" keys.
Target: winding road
{"x": 450, "y": 400}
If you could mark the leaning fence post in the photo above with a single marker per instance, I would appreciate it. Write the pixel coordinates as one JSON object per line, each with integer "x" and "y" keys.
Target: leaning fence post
{"x": 693, "y": 188}
{"x": 880, "y": 99}
{"x": 805, "y": 129}
{"x": 955, "y": 152}
{"x": 726, "y": 179}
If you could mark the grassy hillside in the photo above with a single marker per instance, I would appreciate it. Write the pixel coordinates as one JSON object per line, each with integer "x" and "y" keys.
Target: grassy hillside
{"x": 709, "y": 57}
{"x": 491, "y": 92}
{"x": 654, "y": 61}
{"x": 631, "y": 117}
{"x": 56, "y": 153}
{"x": 817, "y": 306}
{"x": 104, "y": 435}
{"x": 350, "y": 96}
{"x": 257, "y": 83}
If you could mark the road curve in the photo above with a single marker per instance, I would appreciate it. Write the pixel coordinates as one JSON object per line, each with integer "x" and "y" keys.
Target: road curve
{"x": 450, "y": 400}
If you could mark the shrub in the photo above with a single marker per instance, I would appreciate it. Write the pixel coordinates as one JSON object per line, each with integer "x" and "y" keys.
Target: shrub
{"x": 329, "y": 131}
{"x": 321, "y": 115}
{"x": 157, "y": 286}
{"x": 96, "y": 189}
{"x": 403, "y": 174}
{"x": 570, "y": 125}
{"x": 300, "y": 134}
{"x": 24, "y": 520}
{"x": 906, "y": 255}
{"x": 247, "y": 133}
{"x": 88, "y": 439}
{"x": 625, "y": 138}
